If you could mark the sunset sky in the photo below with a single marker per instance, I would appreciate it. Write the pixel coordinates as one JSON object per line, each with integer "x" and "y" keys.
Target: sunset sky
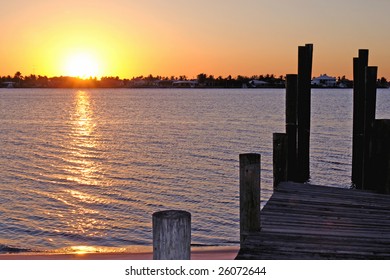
{"x": 129, "y": 38}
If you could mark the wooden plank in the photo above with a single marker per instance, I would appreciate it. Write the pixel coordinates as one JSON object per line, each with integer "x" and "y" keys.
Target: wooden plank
{"x": 347, "y": 203}
{"x": 365, "y": 201}
{"x": 268, "y": 253}
{"x": 317, "y": 247}
{"x": 333, "y": 221}
{"x": 318, "y": 242}
{"x": 322, "y": 239}
{"x": 312, "y": 249}
{"x": 290, "y": 187}
{"x": 302, "y": 207}
{"x": 330, "y": 197}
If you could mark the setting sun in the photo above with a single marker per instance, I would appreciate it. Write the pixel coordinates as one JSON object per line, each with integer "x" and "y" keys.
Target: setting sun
{"x": 82, "y": 65}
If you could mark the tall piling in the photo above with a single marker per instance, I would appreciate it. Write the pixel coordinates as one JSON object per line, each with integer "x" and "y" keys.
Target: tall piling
{"x": 359, "y": 92}
{"x": 291, "y": 125}
{"x": 369, "y": 118}
{"x": 305, "y": 59}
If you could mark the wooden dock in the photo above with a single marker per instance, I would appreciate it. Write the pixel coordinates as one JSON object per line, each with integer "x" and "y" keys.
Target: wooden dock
{"x": 302, "y": 221}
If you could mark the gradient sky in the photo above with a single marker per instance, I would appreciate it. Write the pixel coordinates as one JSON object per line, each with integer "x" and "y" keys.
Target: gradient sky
{"x": 128, "y": 38}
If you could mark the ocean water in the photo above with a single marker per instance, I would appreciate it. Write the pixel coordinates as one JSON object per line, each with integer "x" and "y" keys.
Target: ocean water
{"x": 86, "y": 169}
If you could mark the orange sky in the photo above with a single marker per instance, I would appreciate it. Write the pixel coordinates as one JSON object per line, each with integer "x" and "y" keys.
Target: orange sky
{"x": 173, "y": 37}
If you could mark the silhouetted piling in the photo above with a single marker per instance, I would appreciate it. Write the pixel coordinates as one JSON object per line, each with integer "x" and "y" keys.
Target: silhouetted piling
{"x": 371, "y": 138}
{"x": 380, "y": 157}
{"x": 369, "y": 118}
{"x": 249, "y": 194}
{"x": 305, "y": 58}
{"x": 359, "y": 67}
{"x": 291, "y": 125}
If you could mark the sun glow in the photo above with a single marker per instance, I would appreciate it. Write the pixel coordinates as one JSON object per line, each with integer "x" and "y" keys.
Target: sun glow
{"x": 82, "y": 65}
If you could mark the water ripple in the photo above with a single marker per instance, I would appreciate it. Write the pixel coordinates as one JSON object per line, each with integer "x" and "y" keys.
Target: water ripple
{"x": 88, "y": 168}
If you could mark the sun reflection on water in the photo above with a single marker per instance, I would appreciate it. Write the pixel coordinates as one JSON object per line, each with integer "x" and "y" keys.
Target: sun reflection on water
{"x": 83, "y": 172}
{"x": 83, "y": 146}
{"x": 82, "y": 250}
{"x": 84, "y": 114}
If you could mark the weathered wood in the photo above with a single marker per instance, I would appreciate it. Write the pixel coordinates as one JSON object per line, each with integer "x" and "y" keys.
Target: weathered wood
{"x": 291, "y": 125}
{"x": 279, "y": 158}
{"x": 302, "y": 221}
{"x": 171, "y": 235}
{"x": 369, "y": 118}
{"x": 305, "y": 58}
{"x": 249, "y": 195}
{"x": 308, "y": 246}
{"x": 359, "y": 65}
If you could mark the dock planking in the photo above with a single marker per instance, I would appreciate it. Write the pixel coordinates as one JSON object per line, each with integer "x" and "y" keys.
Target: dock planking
{"x": 303, "y": 221}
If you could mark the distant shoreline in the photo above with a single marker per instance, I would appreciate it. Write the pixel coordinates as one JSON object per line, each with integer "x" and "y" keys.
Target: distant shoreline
{"x": 201, "y": 81}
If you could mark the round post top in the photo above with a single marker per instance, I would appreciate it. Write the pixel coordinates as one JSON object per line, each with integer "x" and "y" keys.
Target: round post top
{"x": 172, "y": 214}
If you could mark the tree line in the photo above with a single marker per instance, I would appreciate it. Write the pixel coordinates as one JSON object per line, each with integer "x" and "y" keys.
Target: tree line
{"x": 150, "y": 81}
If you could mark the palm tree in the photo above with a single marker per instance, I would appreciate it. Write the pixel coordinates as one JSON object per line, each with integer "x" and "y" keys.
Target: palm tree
{"x": 17, "y": 78}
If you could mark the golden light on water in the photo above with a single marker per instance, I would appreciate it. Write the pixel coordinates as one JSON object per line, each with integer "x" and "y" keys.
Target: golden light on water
{"x": 82, "y": 167}
{"x": 82, "y": 142}
{"x": 81, "y": 250}
{"x": 83, "y": 114}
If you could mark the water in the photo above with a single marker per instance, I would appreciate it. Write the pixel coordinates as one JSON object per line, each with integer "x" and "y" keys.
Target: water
{"x": 87, "y": 168}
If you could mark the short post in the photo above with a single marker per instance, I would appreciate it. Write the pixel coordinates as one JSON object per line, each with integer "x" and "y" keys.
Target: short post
{"x": 380, "y": 157}
{"x": 279, "y": 158}
{"x": 291, "y": 125}
{"x": 171, "y": 235}
{"x": 249, "y": 195}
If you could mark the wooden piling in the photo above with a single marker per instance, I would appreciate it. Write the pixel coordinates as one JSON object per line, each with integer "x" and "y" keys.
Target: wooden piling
{"x": 359, "y": 65}
{"x": 305, "y": 58}
{"x": 380, "y": 157}
{"x": 369, "y": 118}
{"x": 279, "y": 158}
{"x": 249, "y": 194}
{"x": 171, "y": 235}
{"x": 291, "y": 125}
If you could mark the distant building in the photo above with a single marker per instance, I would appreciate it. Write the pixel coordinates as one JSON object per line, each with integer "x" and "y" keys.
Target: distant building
{"x": 186, "y": 84}
{"x": 164, "y": 83}
{"x": 324, "y": 81}
{"x": 257, "y": 83}
{"x": 9, "y": 84}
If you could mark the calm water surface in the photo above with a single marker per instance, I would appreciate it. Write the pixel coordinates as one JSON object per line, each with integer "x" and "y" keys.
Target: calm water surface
{"x": 89, "y": 167}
